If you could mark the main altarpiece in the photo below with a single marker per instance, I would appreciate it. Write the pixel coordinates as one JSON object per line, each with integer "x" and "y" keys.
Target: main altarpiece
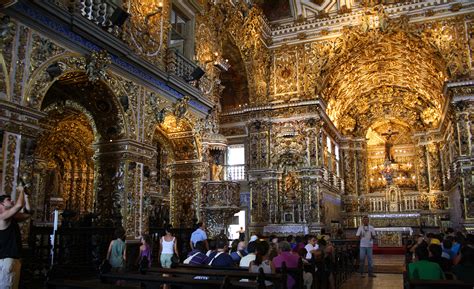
{"x": 345, "y": 108}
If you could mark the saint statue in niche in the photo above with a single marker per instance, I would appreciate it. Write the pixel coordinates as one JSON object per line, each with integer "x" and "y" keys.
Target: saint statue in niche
{"x": 216, "y": 167}
{"x": 389, "y": 155}
{"x": 55, "y": 183}
{"x": 290, "y": 186}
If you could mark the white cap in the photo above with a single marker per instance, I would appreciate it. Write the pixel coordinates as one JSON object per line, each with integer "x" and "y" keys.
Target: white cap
{"x": 253, "y": 238}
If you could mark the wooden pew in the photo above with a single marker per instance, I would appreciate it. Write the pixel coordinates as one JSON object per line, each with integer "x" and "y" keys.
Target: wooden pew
{"x": 439, "y": 284}
{"x": 206, "y": 267}
{"x": 216, "y": 272}
{"x": 152, "y": 281}
{"x": 90, "y": 284}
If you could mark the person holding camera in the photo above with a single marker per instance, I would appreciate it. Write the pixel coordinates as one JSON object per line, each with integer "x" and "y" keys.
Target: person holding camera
{"x": 11, "y": 213}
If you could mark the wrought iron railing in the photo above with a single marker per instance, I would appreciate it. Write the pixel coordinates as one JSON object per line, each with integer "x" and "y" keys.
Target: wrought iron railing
{"x": 235, "y": 173}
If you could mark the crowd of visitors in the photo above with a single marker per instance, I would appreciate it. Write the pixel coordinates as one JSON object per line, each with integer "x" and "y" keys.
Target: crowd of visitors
{"x": 448, "y": 255}
{"x": 268, "y": 254}
{"x": 429, "y": 256}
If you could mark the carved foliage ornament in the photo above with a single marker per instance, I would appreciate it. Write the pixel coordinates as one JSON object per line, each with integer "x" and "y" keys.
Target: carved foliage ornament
{"x": 96, "y": 64}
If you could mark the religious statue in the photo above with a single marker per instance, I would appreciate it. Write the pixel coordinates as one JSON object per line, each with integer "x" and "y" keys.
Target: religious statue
{"x": 216, "y": 167}
{"x": 181, "y": 107}
{"x": 55, "y": 183}
{"x": 216, "y": 172}
{"x": 389, "y": 156}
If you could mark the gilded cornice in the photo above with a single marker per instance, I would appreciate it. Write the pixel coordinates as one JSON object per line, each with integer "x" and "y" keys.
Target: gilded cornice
{"x": 318, "y": 29}
{"x": 19, "y": 119}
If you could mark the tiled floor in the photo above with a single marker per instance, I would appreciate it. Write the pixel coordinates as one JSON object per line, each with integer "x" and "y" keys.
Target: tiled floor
{"x": 382, "y": 281}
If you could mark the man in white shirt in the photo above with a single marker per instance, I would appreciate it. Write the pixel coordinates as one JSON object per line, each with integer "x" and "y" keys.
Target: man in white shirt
{"x": 311, "y": 247}
{"x": 366, "y": 234}
{"x": 245, "y": 261}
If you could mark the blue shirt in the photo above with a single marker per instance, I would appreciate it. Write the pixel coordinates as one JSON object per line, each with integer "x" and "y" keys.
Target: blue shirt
{"x": 198, "y": 235}
{"x": 455, "y": 248}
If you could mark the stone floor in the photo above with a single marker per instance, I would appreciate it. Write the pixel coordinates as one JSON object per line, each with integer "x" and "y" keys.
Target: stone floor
{"x": 388, "y": 269}
{"x": 385, "y": 281}
{"x": 388, "y": 263}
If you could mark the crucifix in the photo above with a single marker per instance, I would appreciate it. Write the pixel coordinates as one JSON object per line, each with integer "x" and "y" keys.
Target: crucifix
{"x": 389, "y": 145}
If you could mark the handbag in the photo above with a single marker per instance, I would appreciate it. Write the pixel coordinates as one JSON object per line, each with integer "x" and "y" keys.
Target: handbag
{"x": 105, "y": 267}
{"x": 174, "y": 259}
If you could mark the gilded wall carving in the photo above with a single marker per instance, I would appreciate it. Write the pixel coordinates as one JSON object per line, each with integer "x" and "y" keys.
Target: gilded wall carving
{"x": 244, "y": 27}
{"x": 147, "y": 31}
{"x": 6, "y": 47}
{"x": 289, "y": 145}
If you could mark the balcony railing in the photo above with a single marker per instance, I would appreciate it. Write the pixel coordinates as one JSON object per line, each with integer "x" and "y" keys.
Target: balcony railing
{"x": 235, "y": 173}
{"x": 179, "y": 65}
{"x": 100, "y": 12}
{"x": 97, "y": 11}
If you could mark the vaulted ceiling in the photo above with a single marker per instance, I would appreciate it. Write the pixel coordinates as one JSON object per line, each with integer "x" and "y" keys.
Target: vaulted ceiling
{"x": 394, "y": 76}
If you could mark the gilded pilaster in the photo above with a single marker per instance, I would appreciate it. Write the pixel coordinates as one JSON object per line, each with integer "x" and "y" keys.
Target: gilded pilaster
{"x": 349, "y": 168}
{"x": 361, "y": 167}
{"x": 11, "y": 160}
{"x": 422, "y": 168}
{"x": 435, "y": 173}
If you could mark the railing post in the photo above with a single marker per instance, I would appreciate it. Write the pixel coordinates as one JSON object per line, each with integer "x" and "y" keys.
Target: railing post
{"x": 171, "y": 61}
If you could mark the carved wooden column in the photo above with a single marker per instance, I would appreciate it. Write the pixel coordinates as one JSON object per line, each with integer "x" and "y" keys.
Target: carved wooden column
{"x": 434, "y": 164}
{"x": 324, "y": 150}
{"x": 361, "y": 167}
{"x": 348, "y": 168}
{"x": 259, "y": 200}
{"x": 121, "y": 185}
{"x": 463, "y": 102}
{"x": 185, "y": 193}
{"x": 422, "y": 169}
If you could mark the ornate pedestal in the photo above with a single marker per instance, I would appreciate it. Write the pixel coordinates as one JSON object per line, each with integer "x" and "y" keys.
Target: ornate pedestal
{"x": 219, "y": 201}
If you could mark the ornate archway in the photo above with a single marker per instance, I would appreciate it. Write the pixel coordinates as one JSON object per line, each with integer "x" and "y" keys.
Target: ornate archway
{"x": 83, "y": 122}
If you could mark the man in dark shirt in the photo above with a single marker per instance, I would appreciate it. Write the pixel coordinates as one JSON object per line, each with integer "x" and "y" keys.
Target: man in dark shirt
{"x": 198, "y": 255}
{"x": 220, "y": 258}
{"x": 10, "y": 238}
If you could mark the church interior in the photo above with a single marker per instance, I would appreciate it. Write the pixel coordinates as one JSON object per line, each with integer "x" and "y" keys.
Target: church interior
{"x": 283, "y": 117}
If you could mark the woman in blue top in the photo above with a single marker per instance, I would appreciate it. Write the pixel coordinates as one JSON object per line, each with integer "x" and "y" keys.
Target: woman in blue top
{"x": 116, "y": 252}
